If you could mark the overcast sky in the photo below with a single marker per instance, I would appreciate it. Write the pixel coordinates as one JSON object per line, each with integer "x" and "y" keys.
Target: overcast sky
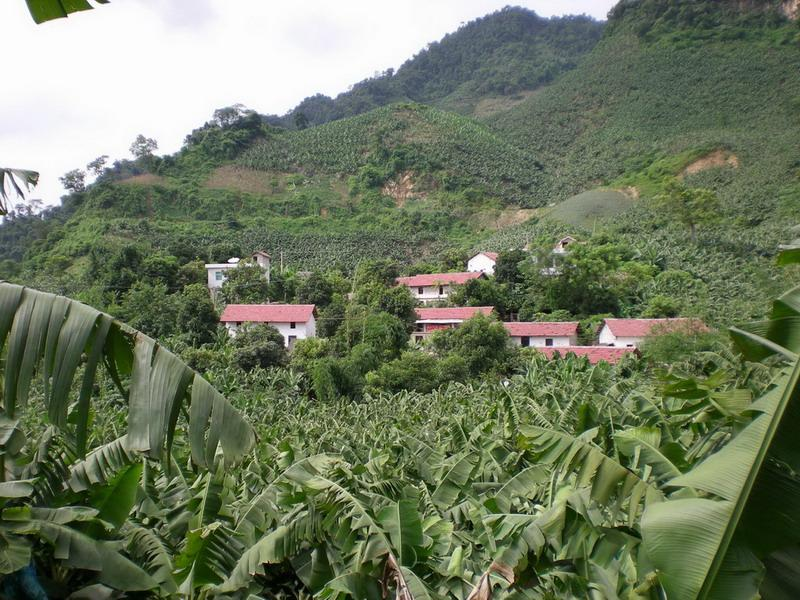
{"x": 76, "y": 88}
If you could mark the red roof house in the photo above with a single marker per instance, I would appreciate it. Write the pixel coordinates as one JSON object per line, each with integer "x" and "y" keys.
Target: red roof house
{"x": 434, "y": 319}
{"x": 630, "y": 333}
{"x": 483, "y": 262}
{"x": 293, "y": 321}
{"x": 433, "y": 287}
{"x": 595, "y": 354}
{"x": 543, "y": 333}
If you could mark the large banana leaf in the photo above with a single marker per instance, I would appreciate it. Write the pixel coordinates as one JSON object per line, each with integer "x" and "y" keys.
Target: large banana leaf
{"x": 61, "y": 338}
{"x": 713, "y": 546}
{"x": 16, "y": 179}
{"x": 47, "y": 10}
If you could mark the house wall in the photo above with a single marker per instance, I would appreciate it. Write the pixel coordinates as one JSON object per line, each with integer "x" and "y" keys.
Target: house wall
{"x": 430, "y": 293}
{"x": 425, "y": 330}
{"x": 211, "y": 275}
{"x": 607, "y": 338}
{"x": 541, "y": 341}
{"x": 300, "y": 332}
{"x": 264, "y": 263}
{"x": 481, "y": 264}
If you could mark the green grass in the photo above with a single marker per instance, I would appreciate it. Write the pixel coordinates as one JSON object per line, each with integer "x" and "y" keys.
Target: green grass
{"x": 584, "y": 210}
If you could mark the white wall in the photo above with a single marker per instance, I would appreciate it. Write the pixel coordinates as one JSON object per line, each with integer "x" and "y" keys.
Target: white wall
{"x": 540, "y": 341}
{"x": 481, "y": 264}
{"x": 607, "y": 338}
{"x": 300, "y": 332}
{"x": 430, "y": 293}
{"x": 211, "y": 274}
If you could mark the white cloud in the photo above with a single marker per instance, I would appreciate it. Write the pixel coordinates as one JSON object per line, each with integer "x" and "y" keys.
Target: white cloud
{"x": 84, "y": 86}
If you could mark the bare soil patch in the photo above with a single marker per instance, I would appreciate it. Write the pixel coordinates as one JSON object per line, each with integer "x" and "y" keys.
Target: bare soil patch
{"x": 402, "y": 188}
{"x": 230, "y": 177}
{"x": 718, "y": 158}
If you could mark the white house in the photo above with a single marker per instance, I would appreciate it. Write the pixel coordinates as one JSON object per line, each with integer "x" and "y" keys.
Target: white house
{"x": 435, "y": 287}
{"x": 630, "y": 333}
{"x": 482, "y": 262}
{"x": 430, "y": 320}
{"x": 294, "y": 321}
{"x": 543, "y": 334}
{"x": 216, "y": 272}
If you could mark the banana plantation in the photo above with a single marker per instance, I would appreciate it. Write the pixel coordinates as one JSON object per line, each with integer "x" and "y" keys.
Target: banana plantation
{"x": 128, "y": 475}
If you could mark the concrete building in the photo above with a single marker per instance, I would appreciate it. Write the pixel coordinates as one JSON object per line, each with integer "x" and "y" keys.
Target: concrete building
{"x": 435, "y": 287}
{"x": 543, "y": 334}
{"x": 430, "y": 320}
{"x": 630, "y": 333}
{"x": 216, "y": 273}
{"x": 294, "y": 321}
{"x": 482, "y": 262}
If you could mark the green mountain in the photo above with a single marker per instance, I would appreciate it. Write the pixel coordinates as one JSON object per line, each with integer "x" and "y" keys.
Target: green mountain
{"x": 486, "y": 65}
{"x": 706, "y": 92}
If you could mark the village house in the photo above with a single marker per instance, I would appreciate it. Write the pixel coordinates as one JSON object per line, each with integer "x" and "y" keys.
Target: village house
{"x": 630, "y": 333}
{"x": 543, "y": 334}
{"x": 430, "y": 320}
{"x": 216, "y": 272}
{"x": 595, "y": 354}
{"x": 435, "y": 287}
{"x": 482, "y": 262}
{"x": 562, "y": 245}
{"x": 559, "y": 251}
{"x": 293, "y": 321}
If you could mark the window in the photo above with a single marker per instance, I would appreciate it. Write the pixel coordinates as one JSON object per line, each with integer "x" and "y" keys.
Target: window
{"x": 525, "y": 341}
{"x": 219, "y": 276}
{"x": 292, "y": 325}
{"x": 420, "y": 327}
{"x": 548, "y": 341}
{"x": 418, "y": 338}
{"x": 419, "y": 291}
{"x": 441, "y": 290}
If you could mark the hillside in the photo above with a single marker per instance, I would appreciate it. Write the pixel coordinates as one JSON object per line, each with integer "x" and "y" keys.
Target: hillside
{"x": 450, "y": 150}
{"x": 705, "y": 92}
{"x": 485, "y": 65}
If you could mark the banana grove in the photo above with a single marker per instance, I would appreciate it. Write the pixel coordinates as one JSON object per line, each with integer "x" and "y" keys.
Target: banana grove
{"x": 125, "y": 474}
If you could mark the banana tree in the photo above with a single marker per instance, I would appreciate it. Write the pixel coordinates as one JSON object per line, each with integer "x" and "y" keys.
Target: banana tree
{"x": 47, "y": 10}
{"x": 65, "y": 343}
{"x": 731, "y": 528}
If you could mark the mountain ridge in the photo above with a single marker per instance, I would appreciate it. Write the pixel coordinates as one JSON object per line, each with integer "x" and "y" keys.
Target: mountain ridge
{"x": 506, "y": 52}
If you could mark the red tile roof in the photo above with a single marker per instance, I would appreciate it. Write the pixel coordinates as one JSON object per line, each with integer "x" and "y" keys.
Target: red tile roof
{"x": 453, "y": 314}
{"x": 542, "y": 329}
{"x": 267, "y": 313}
{"x": 492, "y": 255}
{"x": 437, "y": 279}
{"x": 595, "y": 354}
{"x": 645, "y": 327}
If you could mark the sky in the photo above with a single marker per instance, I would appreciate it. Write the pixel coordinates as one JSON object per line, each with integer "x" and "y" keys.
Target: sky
{"x": 77, "y": 88}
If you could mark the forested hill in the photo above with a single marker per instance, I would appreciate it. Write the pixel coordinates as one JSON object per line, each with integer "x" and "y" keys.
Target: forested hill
{"x": 487, "y": 62}
{"x": 706, "y": 94}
